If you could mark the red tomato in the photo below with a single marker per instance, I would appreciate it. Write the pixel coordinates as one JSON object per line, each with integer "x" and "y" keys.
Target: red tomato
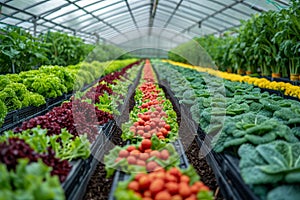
{"x": 164, "y": 154}
{"x": 156, "y": 186}
{"x": 131, "y": 148}
{"x": 151, "y": 166}
{"x": 133, "y": 185}
{"x": 144, "y": 183}
{"x": 135, "y": 153}
{"x": 141, "y": 162}
{"x": 172, "y": 187}
{"x": 131, "y": 160}
{"x": 164, "y": 195}
{"x": 123, "y": 154}
{"x": 146, "y": 144}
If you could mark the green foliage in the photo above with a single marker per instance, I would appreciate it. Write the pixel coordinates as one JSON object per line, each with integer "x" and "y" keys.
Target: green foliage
{"x": 267, "y": 42}
{"x": 64, "y": 49}
{"x": 3, "y": 112}
{"x": 66, "y": 147}
{"x": 20, "y": 49}
{"x": 29, "y": 181}
{"x": 274, "y": 162}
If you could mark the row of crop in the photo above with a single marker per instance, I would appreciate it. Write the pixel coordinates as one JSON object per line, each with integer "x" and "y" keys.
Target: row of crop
{"x": 266, "y": 43}
{"x": 20, "y": 51}
{"x": 31, "y": 88}
{"x": 285, "y": 88}
{"x": 262, "y": 130}
{"x": 35, "y": 158}
{"x": 151, "y": 128}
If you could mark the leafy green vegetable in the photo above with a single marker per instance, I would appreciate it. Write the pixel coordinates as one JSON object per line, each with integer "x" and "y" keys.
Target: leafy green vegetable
{"x": 275, "y": 162}
{"x": 66, "y": 147}
{"x": 29, "y": 181}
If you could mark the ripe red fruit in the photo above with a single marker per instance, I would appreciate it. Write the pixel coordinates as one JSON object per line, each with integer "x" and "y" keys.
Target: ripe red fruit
{"x": 123, "y": 154}
{"x": 151, "y": 166}
{"x": 175, "y": 172}
{"x": 156, "y": 186}
{"x": 192, "y": 197}
{"x": 185, "y": 179}
{"x": 131, "y": 148}
{"x": 158, "y": 134}
{"x": 164, "y": 154}
{"x": 147, "y": 135}
{"x": 161, "y": 137}
{"x": 133, "y": 185}
{"x": 155, "y": 153}
{"x": 144, "y": 156}
{"x": 170, "y": 178}
{"x": 168, "y": 127}
{"x": 135, "y": 153}
{"x": 140, "y": 128}
{"x": 195, "y": 189}
{"x": 141, "y": 122}
{"x": 184, "y": 190}
{"x": 147, "y": 193}
{"x": 164, "y": 195}
{"x": 135, "y": 124}
{"x": 147, "y": 128}
{"x": 177, "y": 197}
{"x": 164, "y": 131}
{"x": 146, "y": 144}
{"x": 131, "y": 160}
{"x": 147, "y": 198}
{"x": 172, "y": 187}
{"x": 140, "y": 132}
{"x": 141, "y": 162}
{"x": 144, "y": 183}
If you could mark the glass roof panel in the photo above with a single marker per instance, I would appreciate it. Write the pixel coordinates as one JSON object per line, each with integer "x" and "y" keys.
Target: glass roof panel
{"x": 6, "y": 10}
{"x": 62, "y": 11}
{"x": 21, "y": 4}
{"x": 92, "y": 28}
{"x": 192, "y": 15}
{"x": 244, "y": 9}
{"x": 25, "y": 25}
{"x": 216, "y": 22}
{"x": 106, "y": 5}
{"x": 205, "y": 5}
{"x": 37, "y": 10}
{"x": 237, "y": 14}
{"x": 22, "y": 16}
{"x": 11, "y": 21}
{"x": 84, "y": 24}
{"x": 84, "y": 3}
{"x": 265, "y": 4}
{"x": 71, "y": 16}
{"x": 223, "y": 16}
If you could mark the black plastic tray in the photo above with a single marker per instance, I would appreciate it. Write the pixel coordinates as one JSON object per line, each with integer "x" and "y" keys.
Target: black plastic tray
{"x": 227, "y": 174}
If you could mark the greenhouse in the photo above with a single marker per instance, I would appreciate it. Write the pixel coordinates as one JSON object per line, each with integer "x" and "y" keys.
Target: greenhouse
{"x": 149, "y": 99}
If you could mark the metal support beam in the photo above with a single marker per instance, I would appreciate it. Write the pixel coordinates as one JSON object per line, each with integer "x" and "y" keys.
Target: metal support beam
{"x": 253, "y": 6}
{"x": 26, "y": 8}
{"x": 37, "y": 18}
{"x": 34, "y": 26}
{"x": 153, "y": 9}
{"x": 209, "y": 16}
{"x": 173, "y": 13}
{"x": 130, "y": 11}
{"x": 282, "y": 2}
{"x": 94, "y": 16}
{"x": 205, "y": 13}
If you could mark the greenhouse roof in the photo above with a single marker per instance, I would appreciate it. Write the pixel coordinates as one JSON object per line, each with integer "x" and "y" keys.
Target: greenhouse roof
{"x": 122, "y": 21}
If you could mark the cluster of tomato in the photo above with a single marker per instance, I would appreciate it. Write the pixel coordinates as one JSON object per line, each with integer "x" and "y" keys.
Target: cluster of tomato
{"x": 140, "y": 155}
{"x": 166, "y": 185}
{"x": 151, "y": 122}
